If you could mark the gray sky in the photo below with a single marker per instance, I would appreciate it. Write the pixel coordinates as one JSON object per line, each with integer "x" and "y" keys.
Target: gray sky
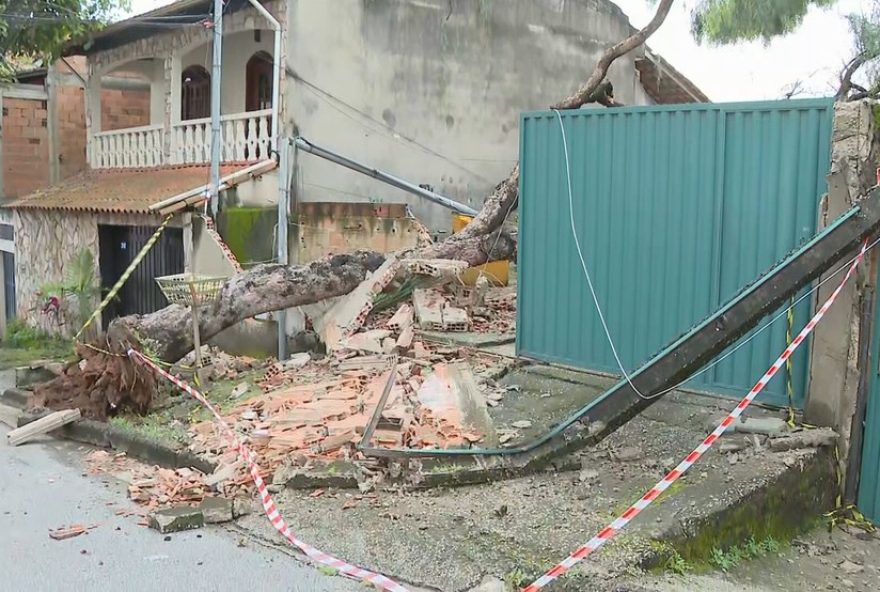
{"x": 814, "y": 54}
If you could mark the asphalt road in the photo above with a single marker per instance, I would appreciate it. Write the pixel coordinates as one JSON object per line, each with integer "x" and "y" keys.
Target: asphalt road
{"x": 43, "y": 487}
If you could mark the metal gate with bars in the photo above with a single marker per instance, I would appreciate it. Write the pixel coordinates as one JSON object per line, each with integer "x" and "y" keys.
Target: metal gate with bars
{"x": 118, "y": 246}
{"x": 677, "y": 208}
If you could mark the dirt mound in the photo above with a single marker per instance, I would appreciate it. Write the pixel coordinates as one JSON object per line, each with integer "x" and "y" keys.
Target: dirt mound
{"x": 99, "y": 384}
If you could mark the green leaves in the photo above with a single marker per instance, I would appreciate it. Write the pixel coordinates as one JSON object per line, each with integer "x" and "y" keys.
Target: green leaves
{"x": 728, "y": 21}
{"x": 33, "y": 31}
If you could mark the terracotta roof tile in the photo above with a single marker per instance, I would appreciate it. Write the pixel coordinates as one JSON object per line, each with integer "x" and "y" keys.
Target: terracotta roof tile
{"x": 125, "y": 190}
{"x": 665, "y": 84}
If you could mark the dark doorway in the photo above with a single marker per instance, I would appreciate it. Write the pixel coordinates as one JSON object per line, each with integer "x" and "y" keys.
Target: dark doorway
{"x": 9, "y": 285}
{"x": 195, "y": 98}
{"x": 258, "y": 82}
{"x": 119, "y": 245}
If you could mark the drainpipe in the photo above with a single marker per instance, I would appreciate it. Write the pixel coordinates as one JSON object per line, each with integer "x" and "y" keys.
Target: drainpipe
{"x": 388, "y": 178}
{"x": 276, "y": 68}
{"x": 281, "y": 236}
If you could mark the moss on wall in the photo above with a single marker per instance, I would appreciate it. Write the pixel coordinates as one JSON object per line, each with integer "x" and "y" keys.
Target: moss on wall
{"x": 249, "y": 232}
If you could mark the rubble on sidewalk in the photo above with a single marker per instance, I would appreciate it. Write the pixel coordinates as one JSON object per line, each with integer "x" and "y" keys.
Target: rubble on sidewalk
{"x": 150, "y": 486}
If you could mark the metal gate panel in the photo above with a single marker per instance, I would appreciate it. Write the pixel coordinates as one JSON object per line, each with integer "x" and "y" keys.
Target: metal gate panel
{"x": 869, "y": 475}
{"x": 677, "y": 209}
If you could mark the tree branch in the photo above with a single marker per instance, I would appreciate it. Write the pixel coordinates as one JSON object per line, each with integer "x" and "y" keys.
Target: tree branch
{"x": 612, "y": 53}
{"x": 846, "y": 76}
{"x": 505, "y": 197}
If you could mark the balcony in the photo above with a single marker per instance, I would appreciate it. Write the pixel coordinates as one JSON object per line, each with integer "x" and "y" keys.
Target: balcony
{"x": 246, "y": 137}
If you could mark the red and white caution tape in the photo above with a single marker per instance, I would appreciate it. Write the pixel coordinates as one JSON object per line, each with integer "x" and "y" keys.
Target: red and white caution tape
{"x": 634, "y": 510}
{"x": 269, "y": 506}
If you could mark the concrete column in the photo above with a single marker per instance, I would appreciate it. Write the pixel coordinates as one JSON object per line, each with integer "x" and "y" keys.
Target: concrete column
{"x": 168, "y": 78}
{"x": 834, "y": 371}
{"x": 93, "y": 110}
{"x": 52, "y": 124}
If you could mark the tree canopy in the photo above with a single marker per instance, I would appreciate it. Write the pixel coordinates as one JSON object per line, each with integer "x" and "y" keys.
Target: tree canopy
{"x": 722, "y": 22}
{"x": 36, "y": 30}
{"x": 729, "y": 21}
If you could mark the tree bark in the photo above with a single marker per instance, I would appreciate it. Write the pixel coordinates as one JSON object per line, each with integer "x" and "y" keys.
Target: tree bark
{"x": 167, "y": 333}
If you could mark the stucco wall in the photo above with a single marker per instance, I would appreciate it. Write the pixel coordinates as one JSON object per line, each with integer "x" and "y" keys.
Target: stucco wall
{"x": 836, "y": 342}
{"x": 432, "y": 90}
{"x": 45, "y": 242}
{"x": 238, "y": 48}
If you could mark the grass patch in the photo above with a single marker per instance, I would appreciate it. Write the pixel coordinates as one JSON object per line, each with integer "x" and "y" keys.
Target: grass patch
{"x": 23, "y": 344}
{"x": 168, "y": 426}
{"x": 156, "y": 427}
{"x": 725, "y": 560}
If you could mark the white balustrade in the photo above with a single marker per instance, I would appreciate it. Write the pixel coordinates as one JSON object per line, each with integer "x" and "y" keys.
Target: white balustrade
{"x": 135, "y": 147}
{"x": 245, "y": 138}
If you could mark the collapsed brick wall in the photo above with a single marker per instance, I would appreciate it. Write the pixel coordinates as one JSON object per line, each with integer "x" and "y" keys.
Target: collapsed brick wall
{"x": 121, "y": 109}
{"x": 25, "y": 146}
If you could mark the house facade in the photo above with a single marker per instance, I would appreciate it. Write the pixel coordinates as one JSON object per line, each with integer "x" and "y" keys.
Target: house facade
{"x": 428, "y": 90}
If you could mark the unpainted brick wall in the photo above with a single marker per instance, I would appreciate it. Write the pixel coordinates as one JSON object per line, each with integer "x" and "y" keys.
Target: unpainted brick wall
{"x": 124, "y": 108}
{"x": 25, "y": 146}
{"x": 70, "y": 104}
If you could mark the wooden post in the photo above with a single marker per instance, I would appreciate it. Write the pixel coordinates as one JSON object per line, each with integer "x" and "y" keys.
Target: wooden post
{"x": 197, "y": 343}
{"x": 53, "y": 421}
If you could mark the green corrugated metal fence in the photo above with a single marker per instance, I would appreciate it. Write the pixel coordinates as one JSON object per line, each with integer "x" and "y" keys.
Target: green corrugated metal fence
{"x": 869, "y": 477}
{"x": 677, "y": 209}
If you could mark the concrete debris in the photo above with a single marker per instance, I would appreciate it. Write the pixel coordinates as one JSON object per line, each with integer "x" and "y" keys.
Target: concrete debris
{"x": 216, "y": 510}
{"x": 176, "y": 519}
{"x": 850, "y": 568}
{"x": 239, "y": 390}
{"x": 588, "y": 475}
{"x": 297, "y": 361}
{"x": 348, "y": 314}
{"x": 768, "y": 426}
{"x": 402, "y": 319}
{"x": 522, "y": 424}
{"x": 627, "y": 454}
{"x": 435, "y": 313}
{"x": 813, "y": 438}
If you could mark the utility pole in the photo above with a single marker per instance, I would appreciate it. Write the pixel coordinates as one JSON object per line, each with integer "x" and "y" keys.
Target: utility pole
{"x": 215, "y": 107}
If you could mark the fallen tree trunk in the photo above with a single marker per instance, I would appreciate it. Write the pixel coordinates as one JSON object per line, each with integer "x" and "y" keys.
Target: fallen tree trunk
{"x": 167, "y": 333}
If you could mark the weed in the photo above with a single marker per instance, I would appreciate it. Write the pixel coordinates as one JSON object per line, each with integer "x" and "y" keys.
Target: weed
{"x": 327, "y": 570}
{"x": 751, "y": 549}
{"x": 516, "y": 579}
{"x": 677, "y": 564}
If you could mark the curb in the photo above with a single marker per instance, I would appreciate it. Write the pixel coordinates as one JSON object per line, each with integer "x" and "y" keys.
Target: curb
{"x": 783, "y": 506}
{"x": 105, "y": 435}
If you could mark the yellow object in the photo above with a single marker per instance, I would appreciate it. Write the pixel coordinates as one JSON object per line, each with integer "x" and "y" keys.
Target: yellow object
{"x": 497, "y": 272}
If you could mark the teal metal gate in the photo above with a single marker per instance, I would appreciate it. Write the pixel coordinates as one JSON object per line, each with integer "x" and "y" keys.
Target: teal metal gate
{"x": 677, "y": 208}
{"x": 869, "y": 476}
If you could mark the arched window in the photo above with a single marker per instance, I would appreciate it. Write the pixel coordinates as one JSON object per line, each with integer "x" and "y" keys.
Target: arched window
{"x": 195, "y": 98}
{"x": 258, "y": 82}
